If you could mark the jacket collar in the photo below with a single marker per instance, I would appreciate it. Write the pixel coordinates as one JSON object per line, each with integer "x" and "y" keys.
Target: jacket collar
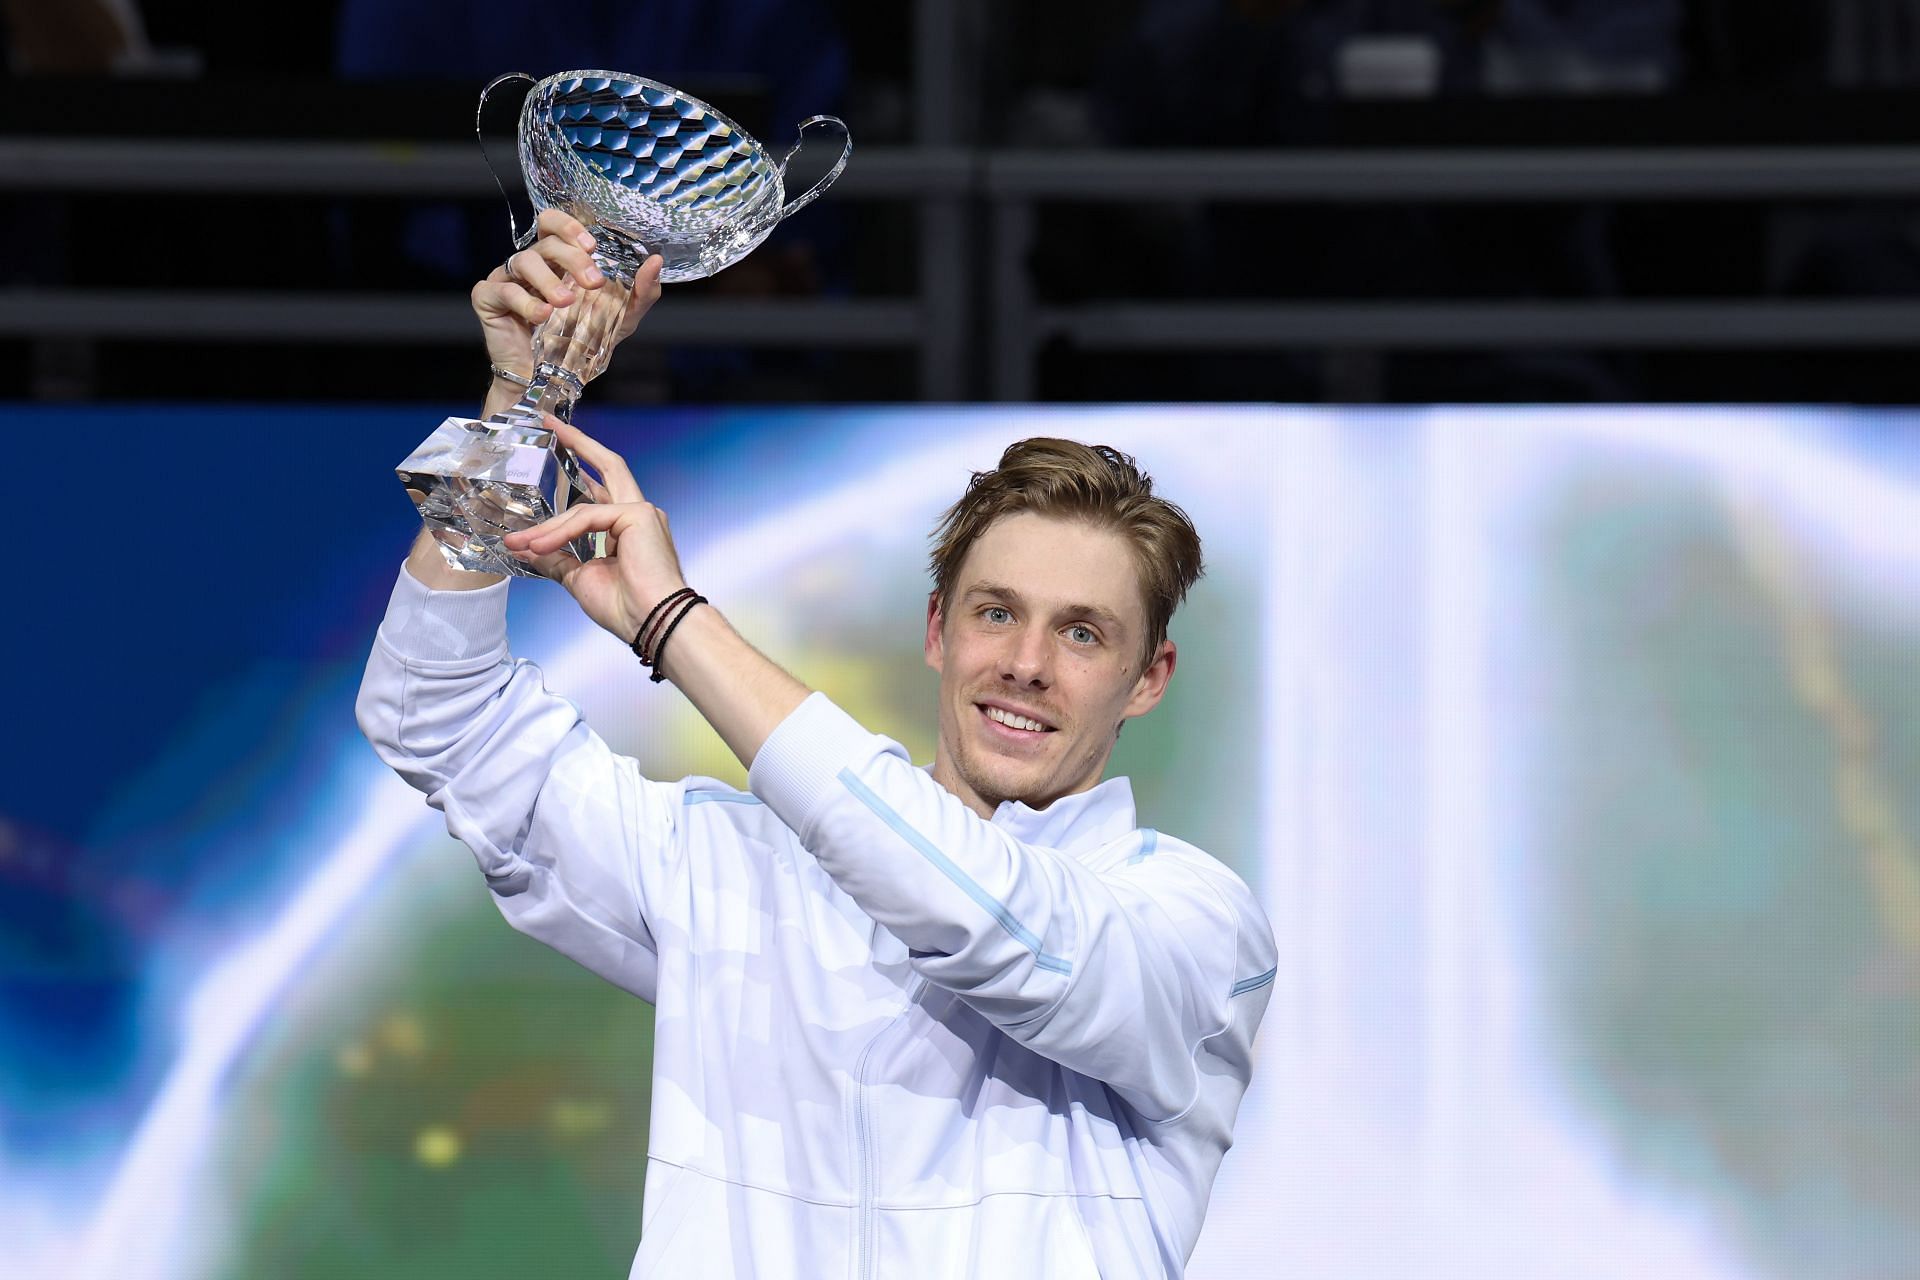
{"x": 1078, "y": 823}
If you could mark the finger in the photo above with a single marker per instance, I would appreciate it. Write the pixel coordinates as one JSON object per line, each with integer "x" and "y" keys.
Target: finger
{"x": 572, "y": 259}
{"x": 557, "y": 222}
{"x": 611, "y": 466}
{"x": 529, "y": 269}
{"x": 514, "y": 298}
{"x": 646, "y": 292}
{"x": 557, "y": 565}
{"x": 555, "y": 540}
{"x": 534, "y": 537}
{"x": 497, "y": 296}
{"x": 570, "y": 524}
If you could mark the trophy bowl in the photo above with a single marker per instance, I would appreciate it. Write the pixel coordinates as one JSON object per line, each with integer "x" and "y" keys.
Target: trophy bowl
{"x": 666, "y": 169}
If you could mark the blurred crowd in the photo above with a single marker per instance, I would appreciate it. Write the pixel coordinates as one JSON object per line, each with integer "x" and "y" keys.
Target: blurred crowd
{"x": 1138, "y": 73}
{"x": 1251, "y": 50}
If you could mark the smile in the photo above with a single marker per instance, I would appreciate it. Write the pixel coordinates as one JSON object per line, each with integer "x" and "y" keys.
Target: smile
{"x": 1013, "y": 726}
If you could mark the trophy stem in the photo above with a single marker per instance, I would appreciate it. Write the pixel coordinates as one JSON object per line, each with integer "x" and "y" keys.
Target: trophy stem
{"x": 552, "y": 389}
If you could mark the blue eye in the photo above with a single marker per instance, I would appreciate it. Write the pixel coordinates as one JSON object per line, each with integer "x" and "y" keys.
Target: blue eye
{"x": 991, "y": 610}
{"x": 1087, "y": 632}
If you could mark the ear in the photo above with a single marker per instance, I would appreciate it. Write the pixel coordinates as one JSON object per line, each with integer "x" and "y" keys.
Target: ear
{"x": 1152, "y": 684}
{"x": 936, "y": 650}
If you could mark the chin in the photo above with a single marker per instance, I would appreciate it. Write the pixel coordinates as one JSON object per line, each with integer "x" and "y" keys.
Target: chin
{"x": 996, "y": 786}
{"x": 1032, "y": 792}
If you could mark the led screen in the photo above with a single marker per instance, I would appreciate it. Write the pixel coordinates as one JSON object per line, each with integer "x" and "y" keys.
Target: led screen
{"x": 1575, "y": 755}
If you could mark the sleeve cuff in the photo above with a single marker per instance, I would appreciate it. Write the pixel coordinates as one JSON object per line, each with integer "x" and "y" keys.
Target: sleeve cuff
{"x": 446, "y": 626}
{"x": 797, "y": 768}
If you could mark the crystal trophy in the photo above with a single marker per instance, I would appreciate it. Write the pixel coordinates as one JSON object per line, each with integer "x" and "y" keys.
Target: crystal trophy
{"x": 649, "y": 170}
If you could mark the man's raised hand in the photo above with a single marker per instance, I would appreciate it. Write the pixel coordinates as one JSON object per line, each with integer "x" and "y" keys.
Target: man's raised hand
{"x": 523, "y": 291}
{"x": 641, "y": 567}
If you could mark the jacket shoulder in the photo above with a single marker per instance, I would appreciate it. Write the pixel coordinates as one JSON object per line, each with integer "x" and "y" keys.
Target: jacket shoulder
{"x": 716, "y": 801}
{"x": 1214, "y": 894}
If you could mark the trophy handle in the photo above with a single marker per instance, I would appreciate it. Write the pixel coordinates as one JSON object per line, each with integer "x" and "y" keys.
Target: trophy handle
{"x": 814, "y": 192}
{"x": 520, "y": 241}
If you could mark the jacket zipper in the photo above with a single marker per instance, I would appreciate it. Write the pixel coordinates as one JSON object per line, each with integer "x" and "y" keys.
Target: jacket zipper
{"x": 864, "y": 1136}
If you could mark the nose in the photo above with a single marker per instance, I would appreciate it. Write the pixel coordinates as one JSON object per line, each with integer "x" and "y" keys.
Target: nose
{"x": 1028, "y": 660}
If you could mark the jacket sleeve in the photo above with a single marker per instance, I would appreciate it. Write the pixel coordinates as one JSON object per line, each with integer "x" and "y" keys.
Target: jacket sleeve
{"x": 1121, "y": 975}
{"x": 579, "y": 850}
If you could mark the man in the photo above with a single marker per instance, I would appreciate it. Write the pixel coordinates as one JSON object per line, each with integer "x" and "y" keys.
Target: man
{"x": 966, "y": 1021}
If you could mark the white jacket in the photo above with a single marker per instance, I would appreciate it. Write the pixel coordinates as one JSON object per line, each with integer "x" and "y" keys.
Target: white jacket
{"x": 892, "y": 1038}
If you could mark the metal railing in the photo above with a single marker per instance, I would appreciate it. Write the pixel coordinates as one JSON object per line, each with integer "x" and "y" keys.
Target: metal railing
{"x": 1016, "y": 182}
{"x": 945, "y": 182}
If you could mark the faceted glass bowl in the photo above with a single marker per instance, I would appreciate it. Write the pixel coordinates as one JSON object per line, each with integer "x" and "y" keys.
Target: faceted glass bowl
{"x": 628, "y": 152}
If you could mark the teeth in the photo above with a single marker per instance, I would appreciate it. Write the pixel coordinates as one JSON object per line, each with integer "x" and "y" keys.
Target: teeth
{"x": 1018, "y": 722}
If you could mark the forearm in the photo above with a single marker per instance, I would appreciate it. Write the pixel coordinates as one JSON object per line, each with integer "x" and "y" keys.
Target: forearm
{"x": 1116, "y": 973}
{"x": 424, "y": 561}
{"x": 429, "y": 567}
{"x": 440, "y": 667}
{"x": 574, "y": 843}
{"x": 742, "y": 693}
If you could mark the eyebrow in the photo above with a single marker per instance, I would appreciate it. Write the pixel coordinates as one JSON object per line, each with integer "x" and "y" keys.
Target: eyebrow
{"x": 996, "y": 591}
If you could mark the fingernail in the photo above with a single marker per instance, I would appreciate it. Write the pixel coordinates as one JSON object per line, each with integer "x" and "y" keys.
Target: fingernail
{"x": 594, "y": 276}
{"x": 586, "y": 242}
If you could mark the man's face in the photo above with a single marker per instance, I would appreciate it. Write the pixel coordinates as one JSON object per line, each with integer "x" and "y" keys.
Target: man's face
{"x": 1047, "y": 625}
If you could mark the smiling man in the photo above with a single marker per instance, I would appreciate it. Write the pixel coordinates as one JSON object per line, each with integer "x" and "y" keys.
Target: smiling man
{"x": 1042, "y": 621}
{"x": 972, "y": 1021}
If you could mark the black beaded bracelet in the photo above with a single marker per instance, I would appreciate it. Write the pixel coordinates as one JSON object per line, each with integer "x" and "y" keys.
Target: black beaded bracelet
{"x": 660, "y": 644}
{"x": 640, "y": 649}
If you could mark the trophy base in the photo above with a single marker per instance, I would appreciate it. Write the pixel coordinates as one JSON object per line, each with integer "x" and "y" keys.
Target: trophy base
{"x": 475, "y": 482}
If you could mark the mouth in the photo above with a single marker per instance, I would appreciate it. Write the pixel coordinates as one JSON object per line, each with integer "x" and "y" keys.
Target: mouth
{"x": 1011, "y": 726}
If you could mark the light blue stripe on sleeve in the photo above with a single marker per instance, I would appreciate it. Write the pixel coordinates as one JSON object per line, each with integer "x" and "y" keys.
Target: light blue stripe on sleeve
{"x": 721, "y": 797}
{"x": 990, "y": 904}
{"x": 1245, "y": 985}
{"x": 1149, "y": 841}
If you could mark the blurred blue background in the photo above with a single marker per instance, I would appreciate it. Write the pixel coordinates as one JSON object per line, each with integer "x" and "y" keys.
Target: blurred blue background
{"x": 1573, "y": 753}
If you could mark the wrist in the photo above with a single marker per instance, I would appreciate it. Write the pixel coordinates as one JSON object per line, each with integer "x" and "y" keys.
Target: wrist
{"x": 508, "y": 381}
{"x": 698, "y": 632}
{"x": 639, "y": 628}
{"x": 429, "y": 567}
{"x": 503, "y": 391}
{"x": 660, "y": 626}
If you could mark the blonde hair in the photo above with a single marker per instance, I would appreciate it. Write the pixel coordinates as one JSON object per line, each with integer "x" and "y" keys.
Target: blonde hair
{"x": 1094, "y": 483}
